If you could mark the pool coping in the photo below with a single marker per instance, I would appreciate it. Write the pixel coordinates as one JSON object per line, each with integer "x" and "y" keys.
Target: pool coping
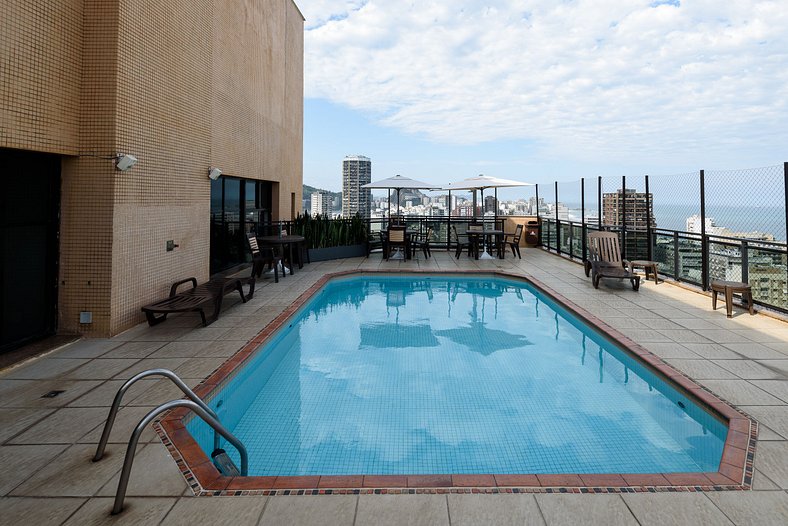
{"x": 735, "y": 472}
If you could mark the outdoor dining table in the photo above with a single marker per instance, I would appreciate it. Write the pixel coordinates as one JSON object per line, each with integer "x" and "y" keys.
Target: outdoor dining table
{"x": 287, "y": 243}
{"x": 486, "y": 236}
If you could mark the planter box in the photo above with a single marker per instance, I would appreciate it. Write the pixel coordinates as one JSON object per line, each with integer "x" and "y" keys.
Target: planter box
{"x": 349, "y": 251}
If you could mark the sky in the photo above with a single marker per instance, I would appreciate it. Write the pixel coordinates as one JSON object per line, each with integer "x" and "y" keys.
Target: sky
{"x": 543, "y": 90}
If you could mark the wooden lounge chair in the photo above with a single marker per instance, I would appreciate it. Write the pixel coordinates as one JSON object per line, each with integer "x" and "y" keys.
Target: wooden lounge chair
{"x": 263, "y": 257}
{"x": 513, "y": 240}
{"x": 462, "y": 244}
{"x": 605, "y": 260}
{"x": 198, "y": 298}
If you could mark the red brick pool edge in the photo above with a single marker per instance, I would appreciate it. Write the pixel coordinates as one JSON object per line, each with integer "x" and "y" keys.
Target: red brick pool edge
{"x": 735, "y": 472}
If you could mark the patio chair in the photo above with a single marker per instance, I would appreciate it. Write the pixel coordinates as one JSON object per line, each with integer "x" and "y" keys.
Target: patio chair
{"x": 423, "y": 242}
{"x": 461, "y": 244}
{"x": 513, "y": 240}
{"x": 605, "y": 260}
{"x": 397, "y": 239}
{"x": 476, "y": 238}
{"x": 263, "y": 257}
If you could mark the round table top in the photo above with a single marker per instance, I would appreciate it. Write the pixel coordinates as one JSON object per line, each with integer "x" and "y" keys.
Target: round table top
{"x": 484, "y": 232}
{"x": 641, "y": 262}
{"x": 291, "y": 238}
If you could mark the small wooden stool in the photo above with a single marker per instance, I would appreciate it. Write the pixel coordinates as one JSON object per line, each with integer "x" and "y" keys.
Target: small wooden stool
{"x": 728, "y": 288}
{"x": 647, "y": 266}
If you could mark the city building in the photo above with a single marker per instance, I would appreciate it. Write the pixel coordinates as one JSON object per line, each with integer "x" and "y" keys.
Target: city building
{"x": 321, "y": 204}
{"x": 184, "y": 88}
{"x": 629, "y": 208}
{"x": 356, "y": 171}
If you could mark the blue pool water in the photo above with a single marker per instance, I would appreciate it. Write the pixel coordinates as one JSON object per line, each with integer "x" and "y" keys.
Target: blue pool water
{"x": 416, "y": 375}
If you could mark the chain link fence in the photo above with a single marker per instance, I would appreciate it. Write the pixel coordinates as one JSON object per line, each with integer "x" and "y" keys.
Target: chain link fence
{"x": 698, "y": 226}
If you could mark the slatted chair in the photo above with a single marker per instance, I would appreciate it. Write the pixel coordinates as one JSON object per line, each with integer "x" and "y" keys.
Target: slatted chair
{"x": 461, "y": 243}
{"x": 475, "y": 239}
{"x": 605, "y": 260}
{"x": 423, "y": 243}
{"x": 263, "y": 257}
{"x": 513, "y": 240}
{"x": 397, "y": 238}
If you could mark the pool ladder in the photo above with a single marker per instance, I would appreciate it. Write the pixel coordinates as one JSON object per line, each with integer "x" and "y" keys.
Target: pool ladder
{"x": 221, "y": 459}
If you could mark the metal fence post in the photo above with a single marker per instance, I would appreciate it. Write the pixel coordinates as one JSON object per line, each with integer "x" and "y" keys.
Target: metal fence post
{"x": 704, "y": 242}
{"x": 745, "y": 261}
{"x": 599, "y": 202}
{"x": 623, "y": 217}
{"x": 649, "y": 220}
{"x": 677, "y": 274}
{"x": 583, "y": 242}
{"x": 785, "y": 191}
{"x": 557, "y": 223}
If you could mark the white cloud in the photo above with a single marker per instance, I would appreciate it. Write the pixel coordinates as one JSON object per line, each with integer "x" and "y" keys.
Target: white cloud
{"x": 593, "y": 78}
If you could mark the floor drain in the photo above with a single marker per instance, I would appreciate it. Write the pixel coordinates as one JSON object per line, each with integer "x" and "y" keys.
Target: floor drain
{"x": 52, "y": 394}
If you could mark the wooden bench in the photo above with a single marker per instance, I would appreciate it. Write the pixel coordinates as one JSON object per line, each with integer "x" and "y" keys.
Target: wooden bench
{"x": 728, "y": 288}
{"x": 198, "y": 298}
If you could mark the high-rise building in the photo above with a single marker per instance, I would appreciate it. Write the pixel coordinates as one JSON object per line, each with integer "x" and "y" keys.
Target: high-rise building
{"x": 628, "y": 207}
{"x": 356, "y": 171}
{"x": 321, "y": 204}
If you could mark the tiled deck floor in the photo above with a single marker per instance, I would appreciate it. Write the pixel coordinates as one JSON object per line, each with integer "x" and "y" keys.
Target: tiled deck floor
{"x": 46, "y": 476}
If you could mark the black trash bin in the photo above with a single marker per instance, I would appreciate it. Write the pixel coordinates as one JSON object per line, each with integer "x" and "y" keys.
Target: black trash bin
{"x": 532, "y": 228}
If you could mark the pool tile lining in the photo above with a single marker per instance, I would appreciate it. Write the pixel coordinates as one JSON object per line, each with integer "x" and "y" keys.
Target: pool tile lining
{"x": 735, "y": 472}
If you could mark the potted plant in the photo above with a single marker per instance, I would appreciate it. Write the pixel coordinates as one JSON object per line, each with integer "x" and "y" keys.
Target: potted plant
{"x": 328, "y": 238}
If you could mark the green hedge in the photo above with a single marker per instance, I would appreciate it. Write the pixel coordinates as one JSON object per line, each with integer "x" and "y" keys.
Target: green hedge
{"x": 324, "y": 232}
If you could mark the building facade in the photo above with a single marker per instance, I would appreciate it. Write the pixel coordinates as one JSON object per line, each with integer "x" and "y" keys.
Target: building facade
{"x": 182, "y": 86}
{"x": 628, "y": 208}
{"x": 356, "y": 171}
{"x": 321, "y": 204}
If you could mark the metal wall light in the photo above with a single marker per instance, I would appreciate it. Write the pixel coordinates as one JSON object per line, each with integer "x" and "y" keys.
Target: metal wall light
{"x": 214, "y": 173}
{"x": 124, "y": 161}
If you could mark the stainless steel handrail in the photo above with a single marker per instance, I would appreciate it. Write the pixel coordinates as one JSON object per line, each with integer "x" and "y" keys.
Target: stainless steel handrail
{"x": 113, "y": 412}
{"x": 135, "y": 437}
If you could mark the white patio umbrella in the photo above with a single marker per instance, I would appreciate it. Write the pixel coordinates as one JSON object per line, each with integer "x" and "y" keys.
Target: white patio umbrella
{"x": 482, "y": 182}
{"x": 399, "y": 182}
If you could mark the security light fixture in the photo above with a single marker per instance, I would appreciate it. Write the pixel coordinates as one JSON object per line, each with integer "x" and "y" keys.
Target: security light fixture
{"x": 124, "y": 161}
{"x": 214, "y": 173}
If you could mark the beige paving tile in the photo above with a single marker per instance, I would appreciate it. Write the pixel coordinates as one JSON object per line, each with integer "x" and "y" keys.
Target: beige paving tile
{"x": 712, "y": 351}
{"x": 761, "y": 482}
{"x": 154, "y": 474}
{"x": 20, "y": 462}
{"x": 764, "y": 508}
{"x": 71, "y": 474}
{"x": 45, "y": 367}
{"x": 125, "y": 422}
{"x": 137, "y": 350}
{"x": 199, "y": 367}
{"x": 665, "y": 509}
{"x": 14, "y": 421}
{"x": 180, "y": 349}
{"x": 667, "y": 350}
{"x": 741, "y": 392}
{"x": 502, "y": 510}
{"x": 161, "y": 391}
{"x": 210, "y": 333}
{"x": 771, "y": 458}
{"x": 310, "y": 510}
{"x": 150, "y": 363}
{"x": 103, "y": 394}
{"x": 778, "y": 388}
{"x": 414, "y": 510}
{"x": 230, "y": 511}
{"x": 87, "y": 348}
{"x": 37, "y": 512}
{"x": 101, "y": 369}
{"x": 64, "y": 426}
{"x": 685, "y": 336}
{"x": 137, "y": 511}
{"x": 722, "y": 336}
{"x": 775, "y": 417}
{"x": 701, "y": 369}
{"x": 31, "y": 395}
{"x": 779, "y": 366}
{"x": 755, "y": 351}
{"x": 764, "y": 433}
{"x": 584, "y": 509}
{"x": 748, "y": 369}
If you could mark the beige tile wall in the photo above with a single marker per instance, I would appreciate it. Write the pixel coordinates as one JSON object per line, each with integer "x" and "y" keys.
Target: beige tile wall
{"x": 183, "y": 85}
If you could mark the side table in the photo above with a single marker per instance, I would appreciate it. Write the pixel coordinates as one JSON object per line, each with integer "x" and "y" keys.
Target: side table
{"x": 728, "y": 288}
{"x": 648, "y": 266}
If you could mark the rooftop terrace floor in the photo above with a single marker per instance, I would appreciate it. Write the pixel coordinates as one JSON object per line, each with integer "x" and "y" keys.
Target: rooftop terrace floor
{"x": 46, "y": 443}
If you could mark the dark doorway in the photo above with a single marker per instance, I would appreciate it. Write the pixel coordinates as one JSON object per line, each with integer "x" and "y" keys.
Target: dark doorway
{"x": 238, "y": 206}
{"x": 29, "y": 225}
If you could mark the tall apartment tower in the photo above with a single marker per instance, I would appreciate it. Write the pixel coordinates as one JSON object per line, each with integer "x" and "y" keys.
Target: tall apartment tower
{"x": 356, "y": 171}
{"x": 321, "y": 204}
{"x": 628, "y": 207}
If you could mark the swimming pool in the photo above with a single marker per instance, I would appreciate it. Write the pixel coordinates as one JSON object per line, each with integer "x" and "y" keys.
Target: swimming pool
{"x": 426, "y": 374}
